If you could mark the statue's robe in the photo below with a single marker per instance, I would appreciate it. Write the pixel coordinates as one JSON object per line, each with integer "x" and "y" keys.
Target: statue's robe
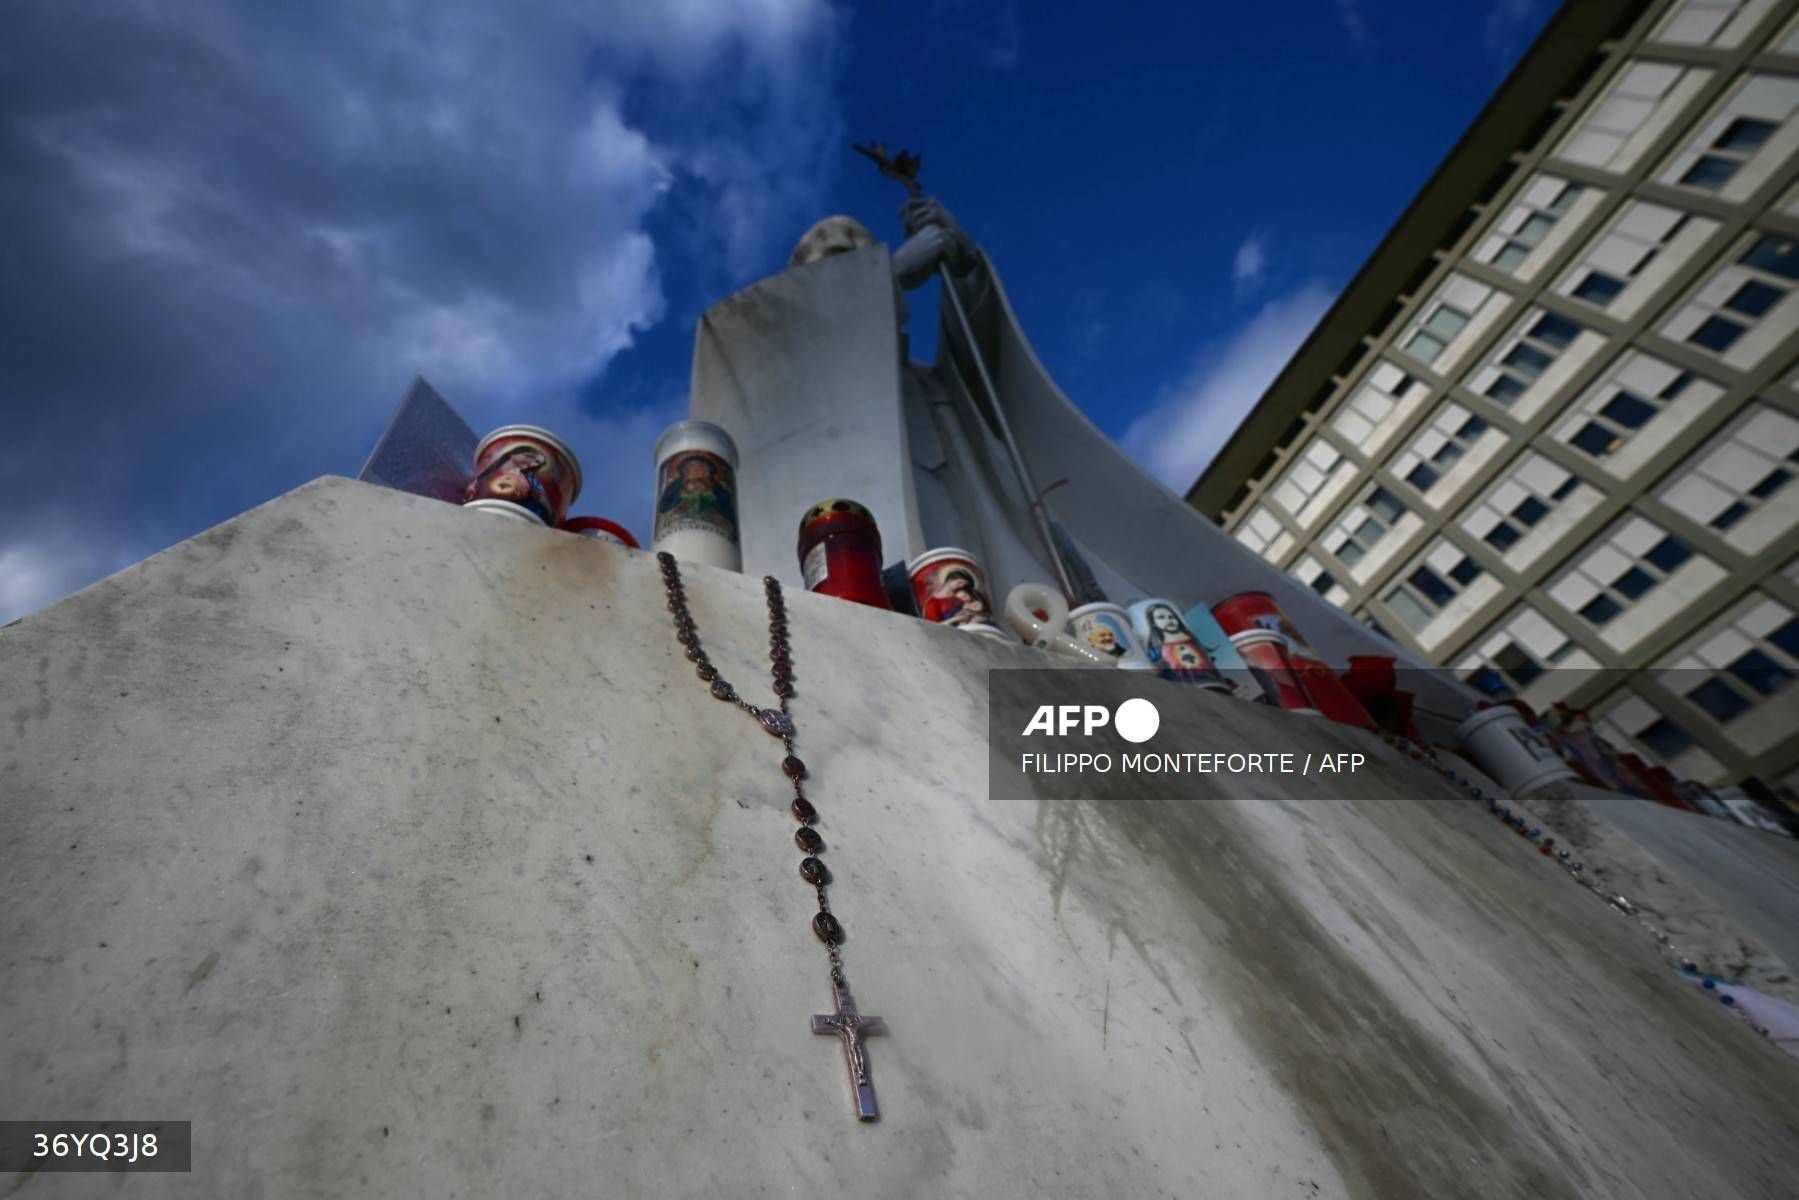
{"x": 808, "y": 372}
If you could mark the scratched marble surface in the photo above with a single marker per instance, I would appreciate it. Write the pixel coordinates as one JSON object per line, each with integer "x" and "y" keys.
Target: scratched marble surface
{"x": 396, "y": 848}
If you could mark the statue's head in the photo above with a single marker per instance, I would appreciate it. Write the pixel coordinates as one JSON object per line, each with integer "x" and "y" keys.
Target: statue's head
{"x": 833, "y": 235}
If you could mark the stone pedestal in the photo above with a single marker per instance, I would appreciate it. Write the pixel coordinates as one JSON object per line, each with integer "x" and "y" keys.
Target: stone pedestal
{"x": 397, "y": 849}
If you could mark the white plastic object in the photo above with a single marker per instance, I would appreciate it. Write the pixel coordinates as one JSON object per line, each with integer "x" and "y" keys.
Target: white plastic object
{"x": 1048, "y": 632}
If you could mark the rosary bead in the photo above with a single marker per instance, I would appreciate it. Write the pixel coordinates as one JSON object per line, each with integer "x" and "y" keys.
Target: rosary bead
{"x": 723, "y": 690}
{"x": 803, "y": 810}
{"x": 686, "y": 637}
{"x": 827, "y": 928}
{"x": 783, "y": 671}
{"x": 812, "y": 870}
{"x": 793, "y": 766}
{"x": 783, "y": 689}
{"x": 706, "y": 671}
{"x": 779, "y": 656}
{"x": 696, "y": 652}
{"x": 807, "y": 839}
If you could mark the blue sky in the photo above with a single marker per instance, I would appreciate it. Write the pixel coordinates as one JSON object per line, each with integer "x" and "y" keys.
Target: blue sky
{"x": 235, "y": 234}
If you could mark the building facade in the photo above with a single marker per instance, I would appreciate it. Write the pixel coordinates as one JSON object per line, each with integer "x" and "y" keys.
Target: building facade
{"x": 1548, "y": 438}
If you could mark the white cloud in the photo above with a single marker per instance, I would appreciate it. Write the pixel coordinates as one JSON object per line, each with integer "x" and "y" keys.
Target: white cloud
{"x": 34, "y": 573}
{"x": 1177, "y": 438}
{"x": 339, "y": 196}
{"x": 1250, "y": 264}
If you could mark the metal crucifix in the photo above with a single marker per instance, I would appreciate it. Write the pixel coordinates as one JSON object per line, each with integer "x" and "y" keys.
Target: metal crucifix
{"x": 903, "y": 169}
{"x": 852, "y": 1027}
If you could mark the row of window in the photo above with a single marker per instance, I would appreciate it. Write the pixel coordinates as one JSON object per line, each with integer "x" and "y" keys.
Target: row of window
{"x": 1737, "y": 673}
{"x": 1731, "y": 151}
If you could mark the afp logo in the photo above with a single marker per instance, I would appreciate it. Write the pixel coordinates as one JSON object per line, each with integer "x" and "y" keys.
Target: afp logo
{"x": 1136, "y": 720}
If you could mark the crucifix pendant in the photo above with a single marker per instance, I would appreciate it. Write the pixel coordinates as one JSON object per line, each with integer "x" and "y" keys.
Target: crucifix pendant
{"x": 852, "y": 1026}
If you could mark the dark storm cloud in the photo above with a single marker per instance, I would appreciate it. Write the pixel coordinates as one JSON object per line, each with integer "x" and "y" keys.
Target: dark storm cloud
{"x": 234, "y": 232}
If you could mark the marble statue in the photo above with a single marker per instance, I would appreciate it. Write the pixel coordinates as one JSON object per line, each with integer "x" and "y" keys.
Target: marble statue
{"x": 808, "y": 370}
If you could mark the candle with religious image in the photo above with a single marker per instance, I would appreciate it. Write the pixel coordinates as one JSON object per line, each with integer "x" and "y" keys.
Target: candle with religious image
{"x": 1217, "y": 645}
{"x": 1265, "y": 653}
{"x": 840, "y": 553}
{"x": 951, "y": 589}
{"x": 529, "y": 467}
{"x": 696, "y": 495}
{"x": 1107, "y": 628}
{"x": 1171, "y": 646}
{"x": 1248, "y": 611}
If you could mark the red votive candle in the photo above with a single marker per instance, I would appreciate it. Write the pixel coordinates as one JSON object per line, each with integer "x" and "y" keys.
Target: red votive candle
{"x": 840, "y": 553}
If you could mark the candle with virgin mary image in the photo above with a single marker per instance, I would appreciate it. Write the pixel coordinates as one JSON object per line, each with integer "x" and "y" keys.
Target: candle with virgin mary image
{"x": 528, "y": 467}
{"x": 951, "y": 589}
{"x": 1171, "y": 646}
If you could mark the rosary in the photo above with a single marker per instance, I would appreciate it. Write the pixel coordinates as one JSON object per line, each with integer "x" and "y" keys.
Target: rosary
{"x": 845, "y": 1023}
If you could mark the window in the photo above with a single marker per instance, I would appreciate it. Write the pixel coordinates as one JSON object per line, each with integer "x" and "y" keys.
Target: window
{"x": 1740, "y": 139}
{"x": 1717, "y": 334}
{"x": 1643, "y": 98}
{"x": 1642, "y": 234}
{"x": 1365, "y": 525}
{"x": 1452, "y": 433}
{"x": 1752, "y": 286}
{"x": 1743, "y": 663}
{"x": 1754, "y": 298}
{"x": 1312, "y": 472}
{"x": 1517, "y": 653}
{"x": 1362, "y": 419}
{"x": 1667, "y": 556}
{"x": 1517, "y": 665}
{"x": 1259, "y": 530}
{"x": 1634, "y": 722}
{"x": 1520, "y": 365}
{"x": 1775, "y": 255}
{"x": 1733, "y": 149}
{"x": 1428, "y": 586}
{"x": 1441, "y": 319}
{"x": 1719, "y": 700}
{"x": 1600, "y": 609}
{"x": 1440, "y": 327}
{"x": 1531, "y": 490}
{"x": 1665, "y": 738}
{"x": 1710, "y": 23}
{"x": 1624, "y": 402}
{"x": 1741, "y": 474}
{"x": 1619, "y": 569}
{"x": 1540, "y": 205}
{"x": 1598, "y": 289}
{"x": 1309, "y": 571}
